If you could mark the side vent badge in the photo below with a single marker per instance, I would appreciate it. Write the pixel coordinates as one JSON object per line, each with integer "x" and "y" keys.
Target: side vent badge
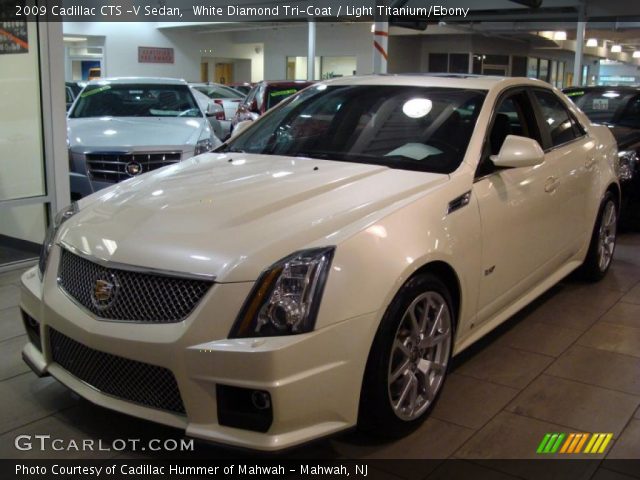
{"x": 459, "y": 202}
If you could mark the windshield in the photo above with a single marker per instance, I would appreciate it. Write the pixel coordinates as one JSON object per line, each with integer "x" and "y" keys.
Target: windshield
{"x": 599, "y": 106}
{"x": 276, "y": 94}
{"x": 413, "y": 128}
{"x": 219, "y": 92}
{"x": 133, "y": 100}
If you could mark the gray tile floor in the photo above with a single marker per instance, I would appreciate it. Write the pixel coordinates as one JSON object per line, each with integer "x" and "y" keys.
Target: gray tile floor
{"x": 568, "y": 363}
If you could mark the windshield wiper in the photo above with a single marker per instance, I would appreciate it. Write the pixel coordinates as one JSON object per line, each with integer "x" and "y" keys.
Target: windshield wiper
{"x": 224, "y": 149}
{"x": 318, "y": 155}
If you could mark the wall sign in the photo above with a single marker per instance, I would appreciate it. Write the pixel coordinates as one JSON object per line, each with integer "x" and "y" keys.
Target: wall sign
{"x": 13, "y": 38}
{"x": 155, "y": 55}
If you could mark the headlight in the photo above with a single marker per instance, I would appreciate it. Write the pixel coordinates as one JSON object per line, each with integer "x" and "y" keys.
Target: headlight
{"x": 61, "y": 217}
{"x": 203, "y": 146}
{"x": 627, "y": 161}
{"x": 286, "y": 297}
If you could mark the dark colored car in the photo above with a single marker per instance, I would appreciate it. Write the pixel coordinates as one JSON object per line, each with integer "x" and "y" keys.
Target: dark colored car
{"x": 265, "y": 95}
{"x": 619, "y": 109}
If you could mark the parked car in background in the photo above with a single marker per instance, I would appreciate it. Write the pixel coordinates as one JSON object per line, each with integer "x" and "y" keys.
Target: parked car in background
{"x": 243, "y": 87}
{"x": 265, "y": 95}
{"x": 123, "y": 127}
{"x": 228, "y": 98}
{"x": 72, "y": 90}
{"x": 319, "y": 270}
{"x": 619, "y": 109}
{"x": 213, "y": 111}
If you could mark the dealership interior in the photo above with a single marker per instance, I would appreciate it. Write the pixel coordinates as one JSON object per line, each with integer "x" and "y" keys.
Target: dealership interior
{"x": 568, "y": 362}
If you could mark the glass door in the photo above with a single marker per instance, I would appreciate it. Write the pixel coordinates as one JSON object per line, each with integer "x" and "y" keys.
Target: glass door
{"x": 24, "y": 200}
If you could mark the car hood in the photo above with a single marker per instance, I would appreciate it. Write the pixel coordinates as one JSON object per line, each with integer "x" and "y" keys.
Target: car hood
{"x": 625, "y": 137}
{"x": 233, "y": 215}
{"x": 129, "y": 132}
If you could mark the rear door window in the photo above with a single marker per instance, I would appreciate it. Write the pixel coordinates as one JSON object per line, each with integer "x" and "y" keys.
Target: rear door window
{"x": 560, "y": 124}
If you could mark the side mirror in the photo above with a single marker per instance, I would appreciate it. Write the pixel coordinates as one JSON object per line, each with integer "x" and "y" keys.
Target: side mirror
{"x": 253, "y": 107}
{"x": 518, "y": 152}
{"x": 241, "y": 127}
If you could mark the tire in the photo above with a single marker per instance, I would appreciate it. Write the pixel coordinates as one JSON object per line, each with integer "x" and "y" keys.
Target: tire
{"x": 395, "y": 398}
{"x": 603, "y": 241}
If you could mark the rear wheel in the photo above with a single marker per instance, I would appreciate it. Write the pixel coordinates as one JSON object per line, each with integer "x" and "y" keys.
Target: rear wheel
{"x": 603, "y": 241}
{"x": 408, "y": 362}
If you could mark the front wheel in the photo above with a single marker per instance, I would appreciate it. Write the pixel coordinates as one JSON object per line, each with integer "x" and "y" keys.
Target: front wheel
{"x": 409, "y": 358}
{"x": 603, "y": 241}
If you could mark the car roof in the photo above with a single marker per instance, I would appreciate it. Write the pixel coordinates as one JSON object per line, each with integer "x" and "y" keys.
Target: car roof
{"x": 468, "y": 81}
{"x": 603, "y": 88}
{"x": 277, "y": 83}
{"x": 139, "y": 80}
{"x": 208, "y": 84}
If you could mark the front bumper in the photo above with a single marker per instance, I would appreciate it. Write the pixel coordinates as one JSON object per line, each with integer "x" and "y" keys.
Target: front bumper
{"x": 313, "y": 379}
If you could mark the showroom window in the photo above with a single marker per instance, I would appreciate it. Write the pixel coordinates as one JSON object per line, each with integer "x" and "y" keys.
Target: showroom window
{"x": 458, "y": 63}
{"x": 438, "y": 62}
{"x": 326, "y": 67}
{"x": 485, "y": 64}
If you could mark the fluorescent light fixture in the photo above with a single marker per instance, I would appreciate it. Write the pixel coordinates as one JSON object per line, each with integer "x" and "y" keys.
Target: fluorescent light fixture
{"x": 636, "y": 54}
{"x": 74, "y": 39}
{"x": 616, "y": 49}
{"x": 592, "y": 42}
{"x": 373, "y": 27}
{"x": 561, "y": 35}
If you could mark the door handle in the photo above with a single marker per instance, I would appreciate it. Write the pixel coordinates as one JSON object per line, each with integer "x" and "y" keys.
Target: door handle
{"x": 591, "y": 161}
{"x": 551, "y": 184}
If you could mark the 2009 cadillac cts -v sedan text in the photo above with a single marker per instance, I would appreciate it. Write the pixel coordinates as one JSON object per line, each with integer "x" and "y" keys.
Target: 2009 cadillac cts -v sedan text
{"x": 319, "y": 270}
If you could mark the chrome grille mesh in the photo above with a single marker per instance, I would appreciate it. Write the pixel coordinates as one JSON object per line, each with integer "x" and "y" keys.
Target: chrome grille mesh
{"x": 135, "y": 296}
{"x": 137, "y": 382}
{"x": 112, "y": 166}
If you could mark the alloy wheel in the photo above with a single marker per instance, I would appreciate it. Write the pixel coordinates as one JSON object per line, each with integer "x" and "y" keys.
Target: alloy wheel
{"x": 419, "y": 355}
{"x": 607, "y": 235}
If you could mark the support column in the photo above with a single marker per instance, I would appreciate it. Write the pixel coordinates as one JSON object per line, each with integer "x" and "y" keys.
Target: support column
{"x": 380, "y": 40}
{"x": 311, "y": 52}
{"x": 580, "y": 31}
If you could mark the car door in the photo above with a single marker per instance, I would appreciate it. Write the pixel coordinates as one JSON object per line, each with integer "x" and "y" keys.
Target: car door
{"x": 518, "y": 210}
{"x": 573, "y": 153}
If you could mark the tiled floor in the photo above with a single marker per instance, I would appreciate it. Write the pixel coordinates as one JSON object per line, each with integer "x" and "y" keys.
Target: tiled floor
{"x": 568, "y": 363}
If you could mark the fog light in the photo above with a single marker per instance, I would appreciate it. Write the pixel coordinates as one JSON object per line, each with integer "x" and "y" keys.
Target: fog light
{"x": 244, "y": 408}
{"x": 261, "y": 400}
{"x": 32, "y": 326}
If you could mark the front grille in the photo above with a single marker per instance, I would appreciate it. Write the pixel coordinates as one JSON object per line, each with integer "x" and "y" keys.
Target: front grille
{"x": 112, "y": 166}
{"x": 137, "y": 382}
{"x": 126, "y": 295}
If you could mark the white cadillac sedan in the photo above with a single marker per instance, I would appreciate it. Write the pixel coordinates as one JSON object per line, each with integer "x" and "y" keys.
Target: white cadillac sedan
{"x": 319, "y": 270}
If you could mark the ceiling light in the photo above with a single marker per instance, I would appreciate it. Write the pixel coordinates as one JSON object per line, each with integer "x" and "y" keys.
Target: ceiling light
{"x": 616, "y": 49}
{"x": 592, "y": 42}
{"x": 74, "y": 39}
{"x": 417, "y": 107}
{"x": 560, "y": 35}
{"x": 636, "y": 54}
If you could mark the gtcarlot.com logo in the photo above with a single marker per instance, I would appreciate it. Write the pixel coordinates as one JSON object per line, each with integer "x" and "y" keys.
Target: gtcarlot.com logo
{"x": 573, "y": 443}
{"x": 48, "y": 443}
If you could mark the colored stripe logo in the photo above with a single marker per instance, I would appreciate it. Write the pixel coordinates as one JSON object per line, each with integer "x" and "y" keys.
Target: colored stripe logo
{"x": 574, "y": 443}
